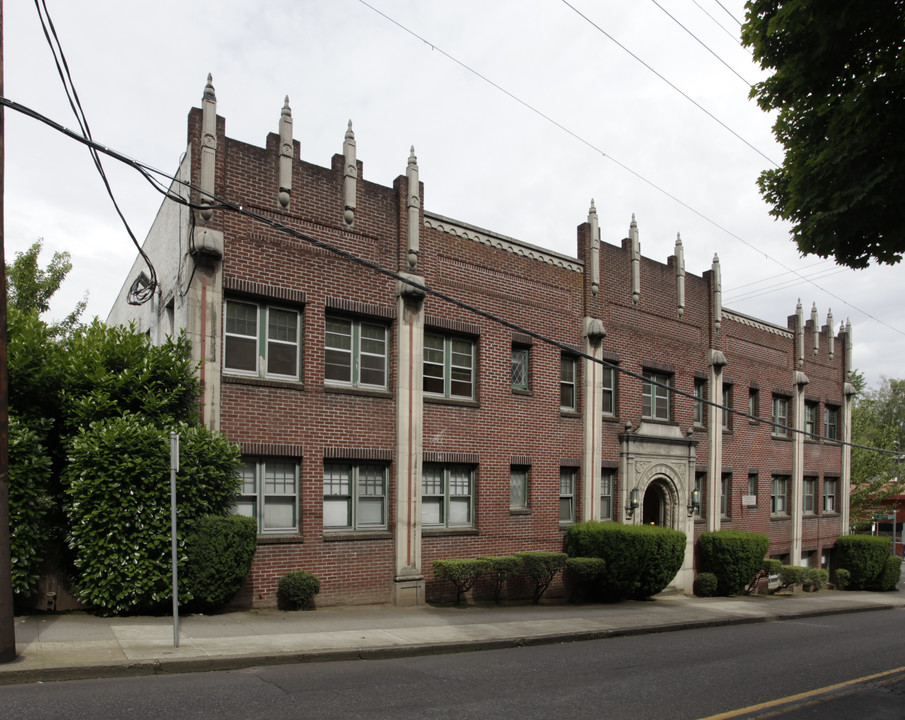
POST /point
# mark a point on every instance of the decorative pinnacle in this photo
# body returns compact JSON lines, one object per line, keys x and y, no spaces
{"x":678,"y":239}
{"x":349,"y":134}
{"x":209,"y":88}
{"x":412,"y":159}
{"x":286,"y":112}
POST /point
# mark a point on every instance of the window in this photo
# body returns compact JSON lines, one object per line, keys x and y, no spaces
{"x":270,"y":495}
{"x":829,"y":495}
{"x":355,"y":353}
{"x":655,"y":399}
{"x":609,"y":391}
{"x":780,"y":416}
{"x":810,"y":418}
{"x":261,"y":340}
{"x":752,"y":484}
{"x":447,"y":496}
{"x":355,"y":497}
{"x":568,"y":391}
{"x":449,"y":367}
{"x":607,"y":481}
{"x":518,"y":488}
{"x":725,"y":494}
{"x":779,"y":495}
{"x":808,"y":491}
{"x":727,"y":403}
{"x":520,"y":368}
{"x":831,"y":422}
{"x":568,"y":485}
{"x":753,"y":404}
{"x":700,"y":389}
{"x":700,"y":480}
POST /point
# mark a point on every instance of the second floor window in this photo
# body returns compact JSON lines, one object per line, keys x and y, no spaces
{"x":655,"y":399}
{"x":831,"y":422}
{"x":727,"y":404}
{"x":779,"y":495}
{"x":355,"y":497}
{"x":829,"y":495}
{"x":780,"y":416}
{"x":355,"y":353}
{"x":810,"y":418}
{"x":808,"y":492}
{"x":607,"y":481}
{"x":518,"y":488}
{"x":568,"y":386}
{"x":609,"y":391}
{"x":447,"y":496}
{"x":568,"y":485}
{"x":700,"y":388}
{"x":449,"y":367}
{"x":261,"y":340}
{"x":519,"y":368}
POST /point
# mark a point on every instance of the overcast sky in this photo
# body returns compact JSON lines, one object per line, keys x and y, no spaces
{"x":570,"y":116}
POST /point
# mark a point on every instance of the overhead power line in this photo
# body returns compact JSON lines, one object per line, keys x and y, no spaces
{"x":151,"y":174}
{"x":622,"y":165}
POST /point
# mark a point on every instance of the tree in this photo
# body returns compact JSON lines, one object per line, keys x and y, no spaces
{"x":839,"y":87}
{"x":878,"y":421}
{"x":31,"y":287}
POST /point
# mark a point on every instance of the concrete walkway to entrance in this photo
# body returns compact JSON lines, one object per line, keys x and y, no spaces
{"x":78,"y":645}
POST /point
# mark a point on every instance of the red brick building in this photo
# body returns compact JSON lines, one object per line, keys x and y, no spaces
{"x":384,"y":427}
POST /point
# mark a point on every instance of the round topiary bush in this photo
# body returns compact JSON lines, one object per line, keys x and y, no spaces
{"x":843,"y":578}
{"x":705,"y":584}
{"x":296,"y":590}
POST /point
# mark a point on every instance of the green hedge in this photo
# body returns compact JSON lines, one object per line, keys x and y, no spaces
{"x":733,"y":556}
{"x":640,"y":560}
{"x":705,"y":584}
{"x":889,"y":578}
{"x":542,"y":567}
{"x":461,"y":572}
{"x":843,"y":578}
{"x":296,"y":590}
{"x":220,"y":551}
{"x":864,"y":556}
{"x":500,"y":568}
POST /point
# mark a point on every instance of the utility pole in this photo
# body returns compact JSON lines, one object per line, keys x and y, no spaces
{"x":7,"y":621}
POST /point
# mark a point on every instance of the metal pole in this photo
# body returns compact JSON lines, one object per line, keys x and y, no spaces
{"x":174,"y":467}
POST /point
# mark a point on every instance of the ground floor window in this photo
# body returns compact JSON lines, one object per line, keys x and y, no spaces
{"x":355,"y":496}
{"x":447,"y":495}
{"x":779,"y":495}
{"x":270,"y":494}
{"x":568,"y":487}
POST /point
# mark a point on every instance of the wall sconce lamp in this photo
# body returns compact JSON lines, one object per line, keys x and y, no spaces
{"x":694,"y":502}
{"x":634,"y":501}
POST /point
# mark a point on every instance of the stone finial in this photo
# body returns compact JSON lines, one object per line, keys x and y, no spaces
{"x":595,"y":249}
{"x":717,"y":292}
{"x":799,"y":333}
{"x":285,"y":189}
{"x":848,"y":350}
{"x":413,"y":204}
{"x":350,"y":176}
{"x":830,"y":333}
{"x":815,"y":328}
{"x":636,"y":260}
{"x":680,"y":276}
{"x":208,"y":146}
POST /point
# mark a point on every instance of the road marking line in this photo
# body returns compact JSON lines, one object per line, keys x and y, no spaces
{"x":801,"y":696}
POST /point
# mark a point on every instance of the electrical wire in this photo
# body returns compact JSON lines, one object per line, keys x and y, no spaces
{"x":716,"y":22}
{"x":622,"y":165}
{"x":225,"y":204}
{"x":142,"y":289}
{"x":701,"y":42}
{"x":668,"y":82}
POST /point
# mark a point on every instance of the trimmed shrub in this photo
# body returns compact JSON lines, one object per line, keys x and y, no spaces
{"x":864,"y":556}
{"x":461,"y":572}
{"x":118,"y":483}
{"x":499,"y":568}
{"x":220,"y":551}
{"x":814,"y":579}
{"x":843,"y":578}
{"x":734,"y":556}
{"x":542,"y":566}
{"x":705,"y":584}
{"x":584,"y":573}
{"x":296,"y":590}
{"x":772,"y":566}
{"x":640,"y":560}
{"x":889,"y":578}
{"x":792,"y":575}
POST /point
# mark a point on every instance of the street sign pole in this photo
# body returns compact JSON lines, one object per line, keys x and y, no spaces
{"x":174,"y":467}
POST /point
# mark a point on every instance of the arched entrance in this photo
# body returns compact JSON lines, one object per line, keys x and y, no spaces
{"x":654,"y":507}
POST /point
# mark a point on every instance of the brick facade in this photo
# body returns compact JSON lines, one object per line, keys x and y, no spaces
{"x":309,"y":424}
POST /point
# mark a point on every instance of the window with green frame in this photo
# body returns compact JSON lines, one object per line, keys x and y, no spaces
{"x":261,"y":340}
{"x":568,"y":489}
{"x":656,"y":400}
{"x":609,"y":391}
{"x":568,"y":384}
{"x":447,"y":495}
{"x":520,"y":355}
{"x":355,"y":496}
{"x":355,"y":353}
{"x":607,"y":481}
{"x":269,"y":493}
{"x":449,"y":367}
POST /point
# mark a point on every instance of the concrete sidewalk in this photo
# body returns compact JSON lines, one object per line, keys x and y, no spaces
{"x":73,"y":646}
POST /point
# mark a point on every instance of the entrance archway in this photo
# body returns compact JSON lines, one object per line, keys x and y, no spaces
{"x":655,"y":504}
